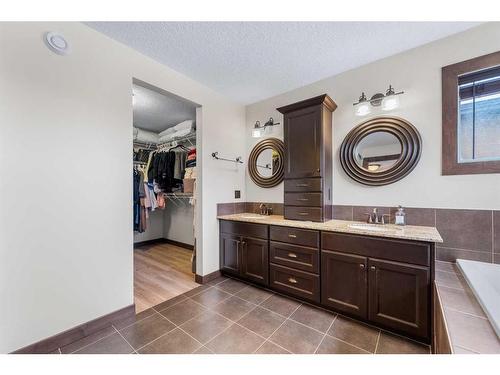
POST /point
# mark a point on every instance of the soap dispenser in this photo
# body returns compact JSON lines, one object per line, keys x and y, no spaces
{"x":400,"y":216}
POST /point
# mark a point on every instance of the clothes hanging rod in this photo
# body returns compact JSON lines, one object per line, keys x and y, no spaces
{"x":216,"y":156}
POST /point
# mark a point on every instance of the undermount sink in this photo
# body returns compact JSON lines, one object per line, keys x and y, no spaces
{"x":251,"y":217}
{"x":373,"y":227}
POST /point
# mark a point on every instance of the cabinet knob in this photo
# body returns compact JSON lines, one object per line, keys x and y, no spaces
{"x":292,"y":236}
{"x":362,"y":266}
{"x":373,"y":268}
{"x":317,"y":170}
{"x":292,"y":255}
{"x":291,"y":280}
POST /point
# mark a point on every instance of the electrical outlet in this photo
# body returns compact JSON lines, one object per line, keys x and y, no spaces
{"x":237,"y":194}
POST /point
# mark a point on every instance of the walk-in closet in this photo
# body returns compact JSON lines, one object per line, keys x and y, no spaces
{"x":164,"y":180}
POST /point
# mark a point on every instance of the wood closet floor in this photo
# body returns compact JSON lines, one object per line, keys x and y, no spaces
{"x":161,"y":272}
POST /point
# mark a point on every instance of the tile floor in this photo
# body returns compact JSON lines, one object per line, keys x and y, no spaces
{"x":228,"y":316}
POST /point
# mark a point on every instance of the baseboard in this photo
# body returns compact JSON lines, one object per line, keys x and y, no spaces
{"x":180,"y":244}
{"x":76,"y":333}
{"x":205,"y":279}
{"x":163,"y":240}
{"x":149,"y":242}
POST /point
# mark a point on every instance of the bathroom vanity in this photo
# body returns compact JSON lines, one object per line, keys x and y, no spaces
{"x":381,"y":274}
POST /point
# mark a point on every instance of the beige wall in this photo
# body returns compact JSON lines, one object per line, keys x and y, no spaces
{"x":418,"y":73}
{"x":65,"y":188}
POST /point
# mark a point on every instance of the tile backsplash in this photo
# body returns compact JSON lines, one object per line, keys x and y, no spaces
{"x":467,"y":234}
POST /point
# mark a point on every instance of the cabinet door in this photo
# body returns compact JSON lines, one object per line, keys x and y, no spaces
{"x":343,"y":282}
{"x":255,"y":260}
{"x":303,"y":143}
{"x":230,"y":253}
{"x":399,"y":296}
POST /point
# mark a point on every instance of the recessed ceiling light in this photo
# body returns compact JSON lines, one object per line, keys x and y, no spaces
{"x":56,"y":43}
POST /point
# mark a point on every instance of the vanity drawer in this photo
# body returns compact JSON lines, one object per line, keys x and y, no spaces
{"x":299,"y":257}
{"x":303,"y":213}
{"x":373,"y":247}
{"x":295,"y":236}
{"x":303,"y":185}
{"x":244,"y":229}
{"x":298,"y":283}
{"x":304,"y":199}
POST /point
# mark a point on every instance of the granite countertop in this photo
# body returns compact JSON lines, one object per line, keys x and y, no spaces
{"x":408,"y":232}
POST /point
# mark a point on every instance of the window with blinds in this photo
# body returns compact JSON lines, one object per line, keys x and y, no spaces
{"x":478,"y":125}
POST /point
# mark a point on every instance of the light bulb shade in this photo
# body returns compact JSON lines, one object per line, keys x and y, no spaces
{"x":390,"y":102}
{"x":256,"y":133}
{"x":362,"y":109}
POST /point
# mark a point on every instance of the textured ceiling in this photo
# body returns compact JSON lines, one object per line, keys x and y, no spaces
{"x":251,"y":61}
{"x":157,"y":111}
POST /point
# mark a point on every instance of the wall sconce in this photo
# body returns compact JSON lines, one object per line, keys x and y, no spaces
{"x":389,"y":101}
{"x":259,"y":130}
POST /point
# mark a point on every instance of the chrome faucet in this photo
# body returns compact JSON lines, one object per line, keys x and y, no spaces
{"x":264,"y":210}
{"x":375,"y":218}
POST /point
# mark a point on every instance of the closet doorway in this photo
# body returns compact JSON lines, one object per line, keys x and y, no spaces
{"x":164,"y":179}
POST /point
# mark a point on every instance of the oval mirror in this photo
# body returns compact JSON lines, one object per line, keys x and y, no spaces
{"x":381,"y":151}
{"x":378,"y":151}
{"x":266,"y":163}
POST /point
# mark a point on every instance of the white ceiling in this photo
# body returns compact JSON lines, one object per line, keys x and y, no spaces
{"x":156,"y":110}
{"x":251,"y":61}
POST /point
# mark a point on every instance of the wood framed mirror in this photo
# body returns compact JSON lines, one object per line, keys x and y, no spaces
{"x":381,"y":151}
{"x":266,"y":162}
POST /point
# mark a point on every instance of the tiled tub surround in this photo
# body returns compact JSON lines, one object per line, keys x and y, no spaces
{"x":228,"y":316}
{"x":467,"y":234}
{"x":461,"y":325}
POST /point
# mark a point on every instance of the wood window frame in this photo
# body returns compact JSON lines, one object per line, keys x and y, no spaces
{"x":449,"y":76}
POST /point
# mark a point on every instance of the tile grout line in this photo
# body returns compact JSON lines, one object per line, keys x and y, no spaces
{"x":93,"y":342}
{"x":323,"y":338}
{"x":463,"y":347}
{"x":465,"y":313}
{"x":195,"y":339}
{"x":284,"y":321}
{"x":137,"y":321}
{"x":163,"y":334}
{"x":241,"y":317}
{"x":289,"y":317}
{"x":378,"y":340}
{"x":133,"y":349}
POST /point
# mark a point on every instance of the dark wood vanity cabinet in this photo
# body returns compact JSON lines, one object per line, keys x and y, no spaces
{"x":383,"y":281}
{"x":344,"y":282}
{"x":308,"y":158}
{"x":399,"y":296}
{"x":244,"y":251}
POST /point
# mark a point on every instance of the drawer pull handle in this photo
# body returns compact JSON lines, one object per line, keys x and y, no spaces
{"x":302,"y":185}
{"x":303,"y":213}
{"x":373,"y":268}
{"x":292,"y":236}
{"x":292,"y":255}
{"x":291,"y":280}
{"x":362,"y":266}
{"x":303,"y":199}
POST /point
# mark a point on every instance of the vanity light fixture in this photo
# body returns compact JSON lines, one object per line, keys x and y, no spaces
{"x":259,"y":130}
{"x":388,"y":102}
